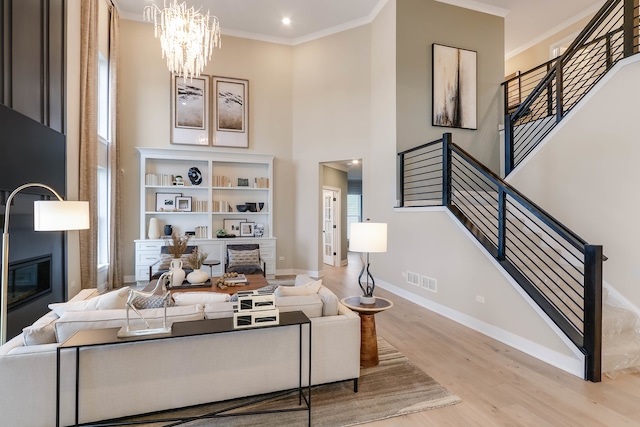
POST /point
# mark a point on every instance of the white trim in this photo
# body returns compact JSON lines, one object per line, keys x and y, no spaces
{"x":478,"y":7}
{"x":281,"y":40}
{"x":589,"y":11}
{"x":553,"y":358}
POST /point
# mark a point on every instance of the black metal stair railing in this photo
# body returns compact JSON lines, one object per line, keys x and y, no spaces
{"x":611,"y":35}
{"x":559,"y":271}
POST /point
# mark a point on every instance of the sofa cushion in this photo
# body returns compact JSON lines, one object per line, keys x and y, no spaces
{"x":329,"y":302}
{"x":187,"y":298}
{"x":218,"y":310}
{"x":42,"y":331}
{"x":308,"y":289}
{"x":303,"y":279}
{"x":311,"y":305}
{"x":73,"y":321}
{"x":111,"y":300}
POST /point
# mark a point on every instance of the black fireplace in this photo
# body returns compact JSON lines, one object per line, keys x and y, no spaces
{"x":31,"y":153}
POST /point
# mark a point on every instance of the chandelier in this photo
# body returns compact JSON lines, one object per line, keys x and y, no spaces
{"x":187,"y":37}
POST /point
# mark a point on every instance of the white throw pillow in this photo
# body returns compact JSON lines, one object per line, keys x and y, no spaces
{"x":111,"y":300}
{"x":329,"y":302}
{"x":42,"y":331}
{"x":188,"y":298}
{"x":303,"y":279}
{"x":308,"y":289}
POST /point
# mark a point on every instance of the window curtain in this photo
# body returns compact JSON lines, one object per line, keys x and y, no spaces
{"x":116,"y":277}
{"x":89,"y":139}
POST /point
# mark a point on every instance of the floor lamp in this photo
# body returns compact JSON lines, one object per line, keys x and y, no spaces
{"x":48,"y":215}
{"x":367,"y":237}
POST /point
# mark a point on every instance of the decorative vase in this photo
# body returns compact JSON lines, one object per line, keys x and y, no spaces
{"x":154,"y":228}
{"x":177,"y":273}
{"x":197,"y":276}
{"x":367,"y":300}
{"x":168,"y":230}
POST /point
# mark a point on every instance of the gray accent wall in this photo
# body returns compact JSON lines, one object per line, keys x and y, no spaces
{"x":421,"y":23}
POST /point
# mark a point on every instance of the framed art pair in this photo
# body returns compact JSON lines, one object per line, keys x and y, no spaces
{"x":197,"y":118}
{"x":240,"y":227}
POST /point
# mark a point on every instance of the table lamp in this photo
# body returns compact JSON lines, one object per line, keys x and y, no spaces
{"x":367,"y":237}
{"x":48,"y":215}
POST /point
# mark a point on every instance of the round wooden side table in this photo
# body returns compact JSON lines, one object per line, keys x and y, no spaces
{"x":368,"y":336}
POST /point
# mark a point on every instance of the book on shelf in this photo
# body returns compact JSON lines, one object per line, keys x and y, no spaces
{"x":261,"y":182}
{"x":158,"y":179}
{"x":221,"y":181}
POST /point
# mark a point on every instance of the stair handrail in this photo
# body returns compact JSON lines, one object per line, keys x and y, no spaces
{"x":571,"y":50}
{"x":551,"y":85}
{"x":496,"y":236}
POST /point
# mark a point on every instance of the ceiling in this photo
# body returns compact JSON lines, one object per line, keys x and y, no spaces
{"x":526,"y":21}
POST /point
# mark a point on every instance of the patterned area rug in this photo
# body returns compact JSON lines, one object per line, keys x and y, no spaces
{"x":393,"y":388}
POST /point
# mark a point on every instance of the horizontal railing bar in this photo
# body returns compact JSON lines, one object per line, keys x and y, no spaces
{"x":421,"y":146}
{"x":560,"y":243}
{"x":547,"y":219}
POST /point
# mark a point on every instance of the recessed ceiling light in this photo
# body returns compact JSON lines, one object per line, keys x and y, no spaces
{"x":286,"y":21}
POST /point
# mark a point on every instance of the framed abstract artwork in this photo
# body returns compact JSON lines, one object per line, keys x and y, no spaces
{"x":190,"y":110}
{"x":454,"y":88}
{"x":231,"y":112}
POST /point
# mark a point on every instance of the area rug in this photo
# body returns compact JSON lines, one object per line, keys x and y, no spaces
{"x":393,"y":388}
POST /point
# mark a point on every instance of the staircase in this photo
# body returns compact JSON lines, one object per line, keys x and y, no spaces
{"x":559,"y":271}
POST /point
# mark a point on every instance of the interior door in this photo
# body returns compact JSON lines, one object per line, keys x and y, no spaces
{"x":329,"y":229}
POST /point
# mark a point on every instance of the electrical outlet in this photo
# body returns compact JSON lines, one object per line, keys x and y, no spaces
{"x":480,"y":299}
{"x":281,"y":258}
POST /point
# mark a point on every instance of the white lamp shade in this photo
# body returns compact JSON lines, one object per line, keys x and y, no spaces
{"x":368,"y":237}
{"x":58,"y":215}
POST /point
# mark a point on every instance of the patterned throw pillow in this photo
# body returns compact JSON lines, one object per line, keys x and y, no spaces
{"x":154,"y":301}
{"x":165,"y":262}
{"x":250,"y":257}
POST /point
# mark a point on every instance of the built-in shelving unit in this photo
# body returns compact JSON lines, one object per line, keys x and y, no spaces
{"x":227,"y":180}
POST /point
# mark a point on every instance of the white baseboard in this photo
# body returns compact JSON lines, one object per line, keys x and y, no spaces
{"x":574,"y":366}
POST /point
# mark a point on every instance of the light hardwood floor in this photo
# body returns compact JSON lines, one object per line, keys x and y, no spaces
{"x":498,"y":385}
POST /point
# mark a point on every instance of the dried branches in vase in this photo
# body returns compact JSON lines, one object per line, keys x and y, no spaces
{"x":196,"y":258}
{"x":178,"y":246}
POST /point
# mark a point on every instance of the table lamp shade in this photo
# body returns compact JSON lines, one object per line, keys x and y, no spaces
{"x":59,"y":215}
{"x":368,"y":237}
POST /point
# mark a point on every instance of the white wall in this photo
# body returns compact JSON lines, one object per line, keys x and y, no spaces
{"x":587,"y":172}
{"x":331,"y":121}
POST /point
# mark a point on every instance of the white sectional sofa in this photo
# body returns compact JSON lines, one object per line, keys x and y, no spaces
{"x":155,"y":375}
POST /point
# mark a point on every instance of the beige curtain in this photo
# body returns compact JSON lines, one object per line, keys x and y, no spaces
{"x":89,"y":139}
{"x":116,"y":277}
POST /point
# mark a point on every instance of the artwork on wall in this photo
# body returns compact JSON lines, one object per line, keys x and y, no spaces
{"x":231,"y":112}
{"x":454,"y":87}
{"x":190,"y":110}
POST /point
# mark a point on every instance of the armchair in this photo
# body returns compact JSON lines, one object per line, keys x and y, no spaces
{"x":244,"y":259}
{"x":163,"y":263}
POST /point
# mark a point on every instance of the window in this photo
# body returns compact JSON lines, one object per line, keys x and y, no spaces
{"x":354,"y":211}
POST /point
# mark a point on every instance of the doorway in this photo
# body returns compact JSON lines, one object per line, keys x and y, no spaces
{"x":331,"y":225}
{"x":344,"y":179}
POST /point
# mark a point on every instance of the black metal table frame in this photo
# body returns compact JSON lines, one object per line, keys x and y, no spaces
{"x":289,"y":320}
